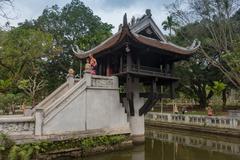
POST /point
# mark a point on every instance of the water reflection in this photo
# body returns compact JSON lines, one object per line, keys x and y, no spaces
{"x":136,"y":153}
{"x":175,"y":145}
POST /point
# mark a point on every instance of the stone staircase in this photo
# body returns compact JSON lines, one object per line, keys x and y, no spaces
{"x":77,"y":106}
{"x":90,"y":103}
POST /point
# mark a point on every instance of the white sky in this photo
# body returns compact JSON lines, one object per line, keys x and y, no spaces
{"x":110,"y":11}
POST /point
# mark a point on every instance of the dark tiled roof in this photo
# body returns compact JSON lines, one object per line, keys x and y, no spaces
{"x":140,"y":39}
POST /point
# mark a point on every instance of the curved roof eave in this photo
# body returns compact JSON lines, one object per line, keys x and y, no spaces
{"x":168,"y":46}
{"x":110,"y":42}
{"x":83,"y":54}
{"x":125,"y":31}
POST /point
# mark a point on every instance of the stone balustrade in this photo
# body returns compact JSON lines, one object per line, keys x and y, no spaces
{"x":17,"y":125}
{"x":103,"y":81}
{"x":201,"y":120}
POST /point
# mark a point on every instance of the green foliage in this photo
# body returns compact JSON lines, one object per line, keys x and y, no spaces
{"x":4,"y":85}
{"x":73,"y":24}
{"x":21,"y":49}
{"x":216,"y":108}
{"x":22,"y":53}
{"x":170,"y":24}
{"x":21,"y":152}
{"x":36,"y":55}
{"x":28,"y":151}
{"x":88,"y":143}
{"x":116,"y":139}
{"x":23,"y":84}
{"x":217,"y":87}
{"x":198,"y":74}
{"x":233,"y":57}
{"x":195,"y":76}
{"x":5,"y":142}
{"x":216,"y":25}
{"x":9,"y":101}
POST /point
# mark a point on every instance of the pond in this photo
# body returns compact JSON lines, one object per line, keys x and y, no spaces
{"x":163,"y":144}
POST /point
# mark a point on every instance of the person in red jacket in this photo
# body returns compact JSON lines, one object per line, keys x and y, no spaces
{"x":209,"y":111}
{"x":93,"y":63}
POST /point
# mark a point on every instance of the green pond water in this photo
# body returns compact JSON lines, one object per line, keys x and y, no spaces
{"x":163,"y":144}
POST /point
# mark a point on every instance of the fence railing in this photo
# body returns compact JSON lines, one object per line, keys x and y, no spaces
{"x":201,"y":120}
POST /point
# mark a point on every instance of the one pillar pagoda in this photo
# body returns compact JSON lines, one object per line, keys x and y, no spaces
{"x":143,"y":60}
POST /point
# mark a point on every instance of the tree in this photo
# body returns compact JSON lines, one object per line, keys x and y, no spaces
{"x":169,"y":24}
{"x":196,"y":74}
{"x":223,"y":35}
{"x":9,"y":101}
{"x":196,"y":78}
{"x":75,"y":23}
{"x":32,"y":86}
{"x":21,"y":49}
{"x":38,"y":52}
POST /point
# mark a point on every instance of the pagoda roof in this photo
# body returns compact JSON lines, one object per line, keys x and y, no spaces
{"x":131,"y":32}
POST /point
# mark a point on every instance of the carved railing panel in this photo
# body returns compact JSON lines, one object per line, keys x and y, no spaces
{"x":100,"y":81}
{"x":15,"y":125}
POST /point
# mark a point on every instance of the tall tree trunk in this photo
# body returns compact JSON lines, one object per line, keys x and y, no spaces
{"x":203,"y":96}
{"x":203,"y":102}
{"x":224,"y":98}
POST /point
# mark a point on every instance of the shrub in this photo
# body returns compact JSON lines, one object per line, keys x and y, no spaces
{"x":5,"y":142}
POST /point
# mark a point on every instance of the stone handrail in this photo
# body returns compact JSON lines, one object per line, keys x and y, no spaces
{"x":17,"y":125}
{"x":211,"y":121}
{"x":87,"y":81}
{"x":44,"y":115}
{"x":64,"y":98}
{"x":52,"y":97}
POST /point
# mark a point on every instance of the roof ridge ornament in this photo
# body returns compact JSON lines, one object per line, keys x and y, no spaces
{"x":119,"y":27}
{"x":133,"y":21}
{"x":196,"y":43}
{"x":125,"y":23}
{"x":78,"y":50}
{"x":148,"y":12}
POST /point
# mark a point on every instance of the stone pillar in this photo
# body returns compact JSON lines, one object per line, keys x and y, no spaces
{"x":70,"y":78}
{"x":88,"y":78}
{"x":38,"y":121}
{"x":115,"y":82}
{"x":187,"y":120}
{"x":136,"y":121}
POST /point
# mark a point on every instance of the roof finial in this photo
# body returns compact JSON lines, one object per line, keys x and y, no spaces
{"x":133,"y":20}
{"x":125,"y":20}
{"x":148,"y":12}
